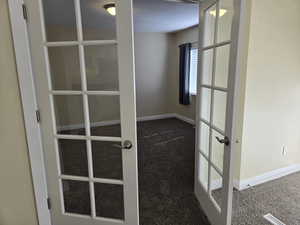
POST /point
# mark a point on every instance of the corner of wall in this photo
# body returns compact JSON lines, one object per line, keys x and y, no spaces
{"x":243,"y":48}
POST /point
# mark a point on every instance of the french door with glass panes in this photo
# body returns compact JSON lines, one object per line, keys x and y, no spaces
{"x":218,"y":39}
{"x":84,"y":73}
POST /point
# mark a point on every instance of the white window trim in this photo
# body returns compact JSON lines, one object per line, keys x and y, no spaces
{"x":29,"y":104}
{"x":194,"y":46}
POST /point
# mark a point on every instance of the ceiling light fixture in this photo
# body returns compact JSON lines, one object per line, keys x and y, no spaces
{"x":221,"y":13}
{"x":110,"y":8}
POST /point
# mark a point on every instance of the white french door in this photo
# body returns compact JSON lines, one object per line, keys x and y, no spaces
{"x":83,"y":64}
{"x":218,"y":41}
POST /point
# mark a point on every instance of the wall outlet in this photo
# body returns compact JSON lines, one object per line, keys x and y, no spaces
{"x":284,"y":151}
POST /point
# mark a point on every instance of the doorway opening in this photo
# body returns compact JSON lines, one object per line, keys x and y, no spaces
{"x":166,"y":127}
{"x":84,"y":73}
{"x":166,"y":57}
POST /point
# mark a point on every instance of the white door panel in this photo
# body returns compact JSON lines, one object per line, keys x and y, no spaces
{"x":218,"y":41}
{"x":85,"y":81}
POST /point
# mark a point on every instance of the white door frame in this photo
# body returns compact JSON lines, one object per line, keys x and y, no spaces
{"x":50,"y":135}
{"x":30,"y":107}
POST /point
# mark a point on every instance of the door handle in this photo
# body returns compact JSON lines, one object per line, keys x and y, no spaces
{"x":224,"y":141}
{"x":127,"y":145}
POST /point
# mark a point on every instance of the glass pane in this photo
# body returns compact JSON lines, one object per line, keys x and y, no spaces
{"x":205,"y":103}
{"x":220,"y":101}
{"x":204,"y":138}
{"x":102,"y":67}
{"x":105,"y":115}
{"x":65,"y":68}
{"x":73,"y":157}
{"x":203,"y":172}
{"x":216,"y":187}
{"x":225,"y":20}
{"x":67,"y":121}
{"x":107,"y":160}
{"x":76,"y":197}
{"x":60,"y":20}
{"x":207,"y":66}
{"x":217,"y":150}
{"x":222,"y":66}
{"x":109,"y":201}
{"x":97,"y":23}
{"x":209,"y":26}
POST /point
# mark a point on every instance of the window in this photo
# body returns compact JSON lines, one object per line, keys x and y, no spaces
{"x":193,"y":71}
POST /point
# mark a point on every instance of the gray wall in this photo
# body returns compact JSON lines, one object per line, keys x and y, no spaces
{"x":151,"y":63}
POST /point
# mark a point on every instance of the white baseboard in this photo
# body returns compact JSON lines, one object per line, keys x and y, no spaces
{"x":156,"y":117}
{"x":95,"y":124}
{"x":139,"y":119}
{"x":184,"y":118}
{"x":266,"y":177}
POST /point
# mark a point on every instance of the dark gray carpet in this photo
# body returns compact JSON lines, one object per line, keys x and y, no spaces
{"x":166,"y":174}
{"x":279,"y":197}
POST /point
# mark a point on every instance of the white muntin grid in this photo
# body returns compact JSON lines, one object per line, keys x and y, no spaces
{"x":80,"y":43}
{"x":213,"y":89}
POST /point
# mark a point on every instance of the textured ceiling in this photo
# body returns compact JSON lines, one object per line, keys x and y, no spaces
{"x":149,"y":15}
{"x":163,"y":16}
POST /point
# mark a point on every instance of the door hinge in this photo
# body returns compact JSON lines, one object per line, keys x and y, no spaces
{"x":49,"y":203}
{"x":25,"y":14}
{"x":38,"y":116}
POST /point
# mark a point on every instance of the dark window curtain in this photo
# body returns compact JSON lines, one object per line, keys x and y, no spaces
{"x":184,"y":74}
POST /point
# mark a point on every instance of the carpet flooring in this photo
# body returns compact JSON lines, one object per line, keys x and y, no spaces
{"x":280,"y":197}
{"x":166,"y":174}
{"x":166,"y":183}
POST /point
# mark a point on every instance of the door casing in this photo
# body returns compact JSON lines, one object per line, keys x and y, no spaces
{"x":30,"y":107}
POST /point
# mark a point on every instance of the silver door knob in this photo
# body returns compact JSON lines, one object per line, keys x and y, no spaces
{"x":224,"y":141}
{"x":127,"y":145}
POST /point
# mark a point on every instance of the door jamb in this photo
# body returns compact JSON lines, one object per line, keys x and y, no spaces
{"x":30,"y":107}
